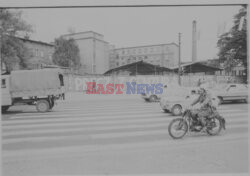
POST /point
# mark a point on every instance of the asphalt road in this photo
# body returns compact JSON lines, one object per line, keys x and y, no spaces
{"x":90,"y":134}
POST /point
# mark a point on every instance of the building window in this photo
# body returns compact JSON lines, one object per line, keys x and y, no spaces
{"x":3,"y":85}
{"x":240,"y":72}
{"x":36,"y":52}
{"x":42,"y":54}
{"x":166,"y":48}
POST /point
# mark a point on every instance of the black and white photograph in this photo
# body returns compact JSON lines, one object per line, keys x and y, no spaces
{"x":124,"y":87}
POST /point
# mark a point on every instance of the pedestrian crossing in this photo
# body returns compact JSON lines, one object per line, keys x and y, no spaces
{"x":99,"y":125}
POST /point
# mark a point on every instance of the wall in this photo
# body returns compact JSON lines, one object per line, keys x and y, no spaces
{"x":78,"y":83}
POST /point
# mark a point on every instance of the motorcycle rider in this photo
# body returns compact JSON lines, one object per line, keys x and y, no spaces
{"x":202,"y":106}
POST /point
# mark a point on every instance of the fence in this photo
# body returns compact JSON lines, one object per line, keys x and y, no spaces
{"x":79,"y":83}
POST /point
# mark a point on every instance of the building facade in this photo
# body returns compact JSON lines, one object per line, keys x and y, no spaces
{"x":165,"y":55}
{"x":40,"y":53}
{"x":94,"y":51}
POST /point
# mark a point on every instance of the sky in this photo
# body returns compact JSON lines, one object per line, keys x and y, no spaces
{"x":127,"y":27}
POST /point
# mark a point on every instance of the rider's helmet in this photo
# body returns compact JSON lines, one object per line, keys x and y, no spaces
{"x":203,"y":87}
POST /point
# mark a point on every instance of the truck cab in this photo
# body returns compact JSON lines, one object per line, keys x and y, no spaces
{"x":5,"y":90}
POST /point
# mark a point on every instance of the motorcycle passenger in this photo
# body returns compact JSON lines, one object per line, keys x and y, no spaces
{"x":202,"y":106}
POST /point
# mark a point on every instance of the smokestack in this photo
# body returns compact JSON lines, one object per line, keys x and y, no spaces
{"x":194,"y":43}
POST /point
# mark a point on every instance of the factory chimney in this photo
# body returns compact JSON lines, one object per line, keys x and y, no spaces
{"x":194,"y":43}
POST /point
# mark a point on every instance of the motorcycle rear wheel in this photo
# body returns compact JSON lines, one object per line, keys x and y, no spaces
{"x":213,"y":132}
{"x":179,"y":125}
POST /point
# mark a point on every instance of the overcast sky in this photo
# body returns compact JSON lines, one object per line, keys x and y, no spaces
{"x":125,"y":27}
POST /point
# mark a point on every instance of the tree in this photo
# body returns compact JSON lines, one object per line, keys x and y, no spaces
{"x":66,"y":53}
{"x":13,"y":51}
{"x":233,"y":44}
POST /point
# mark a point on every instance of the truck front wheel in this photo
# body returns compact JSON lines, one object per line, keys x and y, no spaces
{"x":42,"y":106}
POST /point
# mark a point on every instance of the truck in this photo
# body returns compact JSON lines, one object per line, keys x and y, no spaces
{"x":41,"y":88}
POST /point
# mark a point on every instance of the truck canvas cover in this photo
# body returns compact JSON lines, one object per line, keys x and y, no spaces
{"x":40,"y":82}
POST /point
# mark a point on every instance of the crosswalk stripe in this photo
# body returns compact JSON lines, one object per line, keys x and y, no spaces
{"x":105,"y":109}
{"x":107,"y":135}
{"x":71,"y":151}
{"x":77,"y":118}
{"x":103,"y":123}
{"x":100,"y":123}
{"x":115,"y":121}
{"x":77,"y":128}
{"x":84,"y":113}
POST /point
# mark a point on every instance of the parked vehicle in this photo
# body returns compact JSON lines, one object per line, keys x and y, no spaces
{"x":175,"y":99}
{"x":233,"y":92}
{"x":180,"y":126}
{"x":32,"y":87}
{"x":176,"y":104}
{"x":151,"y":97}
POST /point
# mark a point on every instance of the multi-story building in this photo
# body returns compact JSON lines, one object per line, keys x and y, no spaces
{"x":40,"y":53}
{"x":112,"y":56}
{"x":165,"y":55}
{"x":94,"y":51}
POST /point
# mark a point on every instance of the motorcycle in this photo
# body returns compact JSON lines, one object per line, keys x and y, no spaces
{"x":179,"y":127}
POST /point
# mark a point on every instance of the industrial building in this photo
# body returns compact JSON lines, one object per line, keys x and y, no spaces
{"x":94,"y":51}
{"x":165,"y":55}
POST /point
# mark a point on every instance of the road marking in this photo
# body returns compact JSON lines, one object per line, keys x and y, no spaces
{"x":75,"y":127}
{"x":113,"y":122}
{"x":80,"y":118}
{"x":81,"y":150}
{"x":107,"y":135}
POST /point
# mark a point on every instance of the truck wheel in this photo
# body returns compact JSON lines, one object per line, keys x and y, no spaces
{"x":42,"y":106}
{"x":5,"y":108}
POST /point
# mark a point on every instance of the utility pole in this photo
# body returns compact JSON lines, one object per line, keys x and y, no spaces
{"x":94,"y":57}
{"x":179,"y":61}
{"x":1,"y":44}
{"x":136,"y":69}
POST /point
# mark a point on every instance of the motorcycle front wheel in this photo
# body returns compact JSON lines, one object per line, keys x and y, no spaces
{"x":214,"y":127}
{"x":177,"y":128}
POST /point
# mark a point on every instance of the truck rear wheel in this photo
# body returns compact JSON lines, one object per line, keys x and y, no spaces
{"x":42,"y":106}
